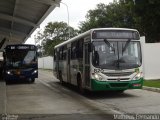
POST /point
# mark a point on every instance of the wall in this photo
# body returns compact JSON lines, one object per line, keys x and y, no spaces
{"x":151,"y":60}
{"x":45,"y":62}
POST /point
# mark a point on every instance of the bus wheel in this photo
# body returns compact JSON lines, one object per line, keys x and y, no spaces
{"x":79,"y":84}
{"x":31,"y":80}
{"x":7,"y":81}
{"x":119,"y":91}
{"x":60,"y":77}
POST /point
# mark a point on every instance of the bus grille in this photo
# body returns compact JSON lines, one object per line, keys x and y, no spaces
{"x":117,"y":79}
{"x":118,"y":84}
{"x":118,"y":74}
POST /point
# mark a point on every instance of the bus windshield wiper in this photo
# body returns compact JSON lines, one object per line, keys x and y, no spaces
{"x":126,"y":45}
{"x":109,"y":44}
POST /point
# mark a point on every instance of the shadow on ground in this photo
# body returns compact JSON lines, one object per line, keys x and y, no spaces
{"x":18,"y":82}
{"x":94,"y":94}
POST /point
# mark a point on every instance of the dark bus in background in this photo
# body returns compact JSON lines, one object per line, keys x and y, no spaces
{"x":20,"y":62}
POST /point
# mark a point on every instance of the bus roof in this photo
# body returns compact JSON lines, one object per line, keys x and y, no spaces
{"x":20,"y":45}
{"x":89,"y":32}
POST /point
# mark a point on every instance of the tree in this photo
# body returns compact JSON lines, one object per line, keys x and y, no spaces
{"x":143,"y":15}
{"x":148,"y":12}
{"x":116,"y":14}
{"x":53,"y":34}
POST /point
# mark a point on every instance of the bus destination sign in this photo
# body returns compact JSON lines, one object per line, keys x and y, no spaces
{"x":21,"y":47}
{"x":118,"y":34}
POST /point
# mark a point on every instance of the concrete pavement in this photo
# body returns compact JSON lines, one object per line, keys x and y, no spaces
{"x":151,"y":89}
{"x":48,"y":99}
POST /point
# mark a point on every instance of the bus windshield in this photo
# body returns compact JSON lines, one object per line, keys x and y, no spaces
{"x":20,"y":58}
{"x":116,"y":55}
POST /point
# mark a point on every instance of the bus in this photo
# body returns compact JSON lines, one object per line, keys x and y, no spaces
{"x":20,"y":62}
{"x":101,"y":59}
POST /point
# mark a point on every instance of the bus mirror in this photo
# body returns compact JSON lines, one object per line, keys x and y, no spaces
{"x":96,"y":58}
{"x":38,"y":55}
{"x":89,"y":48}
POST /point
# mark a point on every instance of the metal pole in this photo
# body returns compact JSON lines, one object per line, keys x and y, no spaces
{"x":67,"y":17}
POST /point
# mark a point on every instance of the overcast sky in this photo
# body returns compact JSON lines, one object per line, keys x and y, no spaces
{"x":77,"y":12}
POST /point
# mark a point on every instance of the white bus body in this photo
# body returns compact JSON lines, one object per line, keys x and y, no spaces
{"x":101,"y":59}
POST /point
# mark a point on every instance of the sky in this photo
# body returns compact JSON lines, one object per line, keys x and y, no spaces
{"x":77,"y":12}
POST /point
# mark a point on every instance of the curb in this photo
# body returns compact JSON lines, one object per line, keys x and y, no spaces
{"x":151,"y":89}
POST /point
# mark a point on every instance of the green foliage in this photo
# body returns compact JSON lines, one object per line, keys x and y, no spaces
{"x":148,"y":12}
{"x":53,"y":34}
{"x":143,"y":15}
{"x":49,"y":45}
{"x":116,"y":14}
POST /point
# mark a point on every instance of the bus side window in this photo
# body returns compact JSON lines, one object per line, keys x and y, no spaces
{"x":64,"y":54}
{"x":89,"y":47}
{"x":73,"y":50}
{"x":54,"y":53}
{"x":60,"y":54}
{"x":79,"y":48}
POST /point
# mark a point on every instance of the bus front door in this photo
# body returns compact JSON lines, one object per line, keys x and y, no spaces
{"x":68,"y":66}
{"x":86,"y":65}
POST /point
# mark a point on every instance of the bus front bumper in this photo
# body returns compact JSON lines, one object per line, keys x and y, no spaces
{"x":20,"y":76}
{"x":119,"y":85}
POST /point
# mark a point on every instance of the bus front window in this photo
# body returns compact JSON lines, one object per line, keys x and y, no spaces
{"x":116,"y":54}
{"x":22,"y":59}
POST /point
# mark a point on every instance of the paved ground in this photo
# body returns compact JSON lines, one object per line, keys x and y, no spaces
{"x":132,"y":101}
{"x":47,"y":99}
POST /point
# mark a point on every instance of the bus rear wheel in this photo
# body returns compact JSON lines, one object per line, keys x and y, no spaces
{"x":79,"y":84}
{"x":60,"y":77}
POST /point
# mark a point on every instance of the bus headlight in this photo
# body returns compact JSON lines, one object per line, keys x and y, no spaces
{"x":97,"y":76}
{"x":137,"y":76}
{"x":9,"y":72}
{"x":35,"y":71}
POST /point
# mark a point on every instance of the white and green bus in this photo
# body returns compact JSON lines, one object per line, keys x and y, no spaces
{"x":101,"y":59}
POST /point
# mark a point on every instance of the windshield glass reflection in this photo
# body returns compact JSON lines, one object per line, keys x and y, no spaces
{"x":20,"y":59}
{"x":116,"y":54}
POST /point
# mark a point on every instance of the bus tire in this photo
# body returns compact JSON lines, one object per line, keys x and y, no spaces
{"x":119,"y":91}
{"x":31,"y":80}
{"x":60,"y":77}
{"x":79,"y":85}
{"x":7,"y":81}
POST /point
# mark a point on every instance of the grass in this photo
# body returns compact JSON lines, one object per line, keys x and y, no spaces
{"x":152,"y":83}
